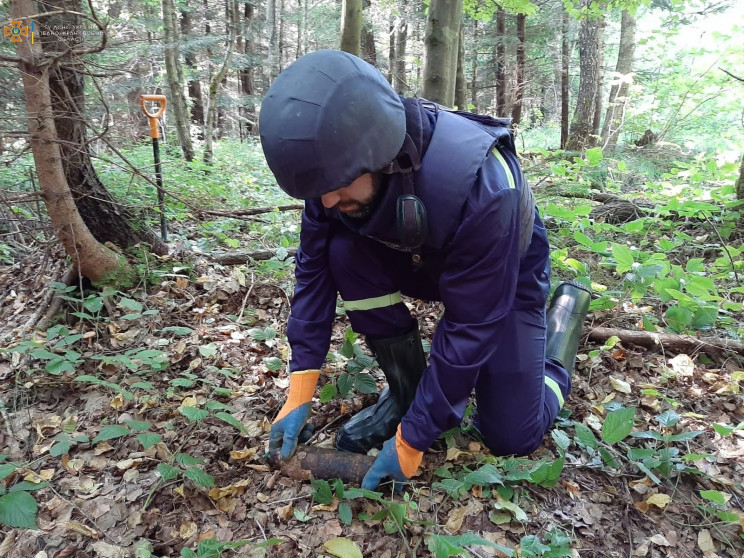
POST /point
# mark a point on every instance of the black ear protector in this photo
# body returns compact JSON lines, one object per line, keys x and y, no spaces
{"x":411,"y":220}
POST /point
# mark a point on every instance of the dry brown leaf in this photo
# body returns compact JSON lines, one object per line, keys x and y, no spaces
{"x":226,"y":504}
{"x":117,"y":402}
{"x":187,"y":530}
{"x":659,"y":500}
{"x":285,"y":513}
{"x":455,"y":453}
{"x":248,"y":453}
{"x":206,"y":535}
{"x":620,"y":385}
{"x":8,"y":542}
{"x":106,"y":550}
{"x":231,"y":490}
{"x":332,"y":507}
{"x":660,"y":540}
{"x":705,"y":541}
{"x":82,"y":529}
{"x":455,"y":519}
{"x":72,"y":466}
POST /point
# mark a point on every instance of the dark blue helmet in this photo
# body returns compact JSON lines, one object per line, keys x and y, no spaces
{"x":327,"y":119}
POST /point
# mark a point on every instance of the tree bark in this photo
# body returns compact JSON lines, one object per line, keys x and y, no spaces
{"x":351,"y":26}
{"x":501,"y":62}
{"x":271,"y":62}
{"x":597,"y":118}
{"x":461,"y":84}
{"x":368,"y":47}
{"x":401,"y":46}
{"x":581,"y":125}
{"x":245,"y":75}
{"x":519,"y":86}
{"x":474,"y":71}
{"x":90,"y":257}
{"x":174,"y":72}
{"x":565,"y":68}
{"x":107,"y":219}
{"x":740,"y":181}
{"x":194,"y":85}
{"x":440,"y":50}
{"x":216,"y":81}
{"x":621,"y":80}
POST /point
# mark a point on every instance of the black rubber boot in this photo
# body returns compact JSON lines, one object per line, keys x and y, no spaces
{"x":402,"y":361}
{"x":564,"y":319}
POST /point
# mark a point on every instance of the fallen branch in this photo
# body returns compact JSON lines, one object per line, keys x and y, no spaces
{"x":668,"y":341}
{"x":312,"y":462}
{"x":239,"y":213}
{"x":238,"y":257}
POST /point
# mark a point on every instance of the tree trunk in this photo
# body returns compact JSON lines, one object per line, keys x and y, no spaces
{"x":474,"y":72}
{"x":740,"y":181}
{"x":565,"y":67}
{"x":90,"y":257}
{"x":621,"y":80}
{"x":351,"y":26}
{"x":245,"y":75}
{"x":369,"y":50}
{"x":271,"y":63}
{"x":174,"y":73}
{"x":216,"y":81}
{"x":581,"y":125}
{"x":107,"y":220}
{"x":461,"y":84}
{"x":194,"y":85}
{"x":401,"y":46}
{"x":500,"y":62}
{"x":519,"y":86}
{"x":597,"y":118}
{"x":440,"y":50}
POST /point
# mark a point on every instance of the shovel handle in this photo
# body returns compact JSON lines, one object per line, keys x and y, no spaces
{"x":153,"y":116}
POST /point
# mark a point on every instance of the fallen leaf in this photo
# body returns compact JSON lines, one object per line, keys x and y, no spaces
{"x":455,"y":453}
{"x":106,"y":550}
{"x":682,"y":365}
{"x":82,"y":529}
{"x":234,"y":489}
{"x":620,"y":385}
{"x":187,"y":530}
{"x":660,"y":540}
{"x":117,"y":402}
{"x":705,"y":541}
{"x":659,"y":500}
{"x":285,"y":513}
{"x":248,"y":453}
{"x":8,"y":542}
{"x":455,"y":519}
{"x":343,"y":548}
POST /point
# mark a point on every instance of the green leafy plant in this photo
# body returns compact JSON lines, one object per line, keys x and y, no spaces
{"x":18,"y":508}
{"x":354,"y":375}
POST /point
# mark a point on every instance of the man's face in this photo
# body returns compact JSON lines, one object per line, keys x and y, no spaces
{"x":355,"y":200}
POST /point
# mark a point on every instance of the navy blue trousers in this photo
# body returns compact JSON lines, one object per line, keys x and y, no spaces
{"x":520,"y":392}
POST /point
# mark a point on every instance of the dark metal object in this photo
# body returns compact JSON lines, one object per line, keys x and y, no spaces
{"x":160,"y":101}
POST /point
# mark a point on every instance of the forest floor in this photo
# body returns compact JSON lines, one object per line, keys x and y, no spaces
{"x":164,"y":363}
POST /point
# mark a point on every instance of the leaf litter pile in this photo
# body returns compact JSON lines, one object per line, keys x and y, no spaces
{"x":137,"y":424}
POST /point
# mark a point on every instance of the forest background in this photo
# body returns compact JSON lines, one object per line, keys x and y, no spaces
{"x":142,"y":304}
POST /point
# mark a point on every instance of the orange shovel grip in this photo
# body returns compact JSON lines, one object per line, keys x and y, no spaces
{"x":153,"y":116}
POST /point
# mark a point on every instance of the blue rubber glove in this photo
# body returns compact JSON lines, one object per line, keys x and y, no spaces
{"x":289,"y":425}
{"x":397,"y":461}
{"x":285,"y":432}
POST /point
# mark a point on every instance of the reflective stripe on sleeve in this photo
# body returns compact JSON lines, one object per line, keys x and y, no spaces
{"x":507,"y":170}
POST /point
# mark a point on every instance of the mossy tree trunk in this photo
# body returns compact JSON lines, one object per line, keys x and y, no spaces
{"x":441,"y":49}
{"x":351,"y":26}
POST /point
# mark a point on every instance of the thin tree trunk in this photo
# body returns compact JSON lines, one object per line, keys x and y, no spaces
{"x":597,"y":119}
{"x":474,"y":72}
{"x":519,"y":85}
{"x":281,"y":57}
{"x":581,"y":125}
{"x":351,"y":26}
{"x":401,"y":47}
{"x":441,"y":47}
{"x":174,"y":73}
{"x":391,"y":49}
{"x":245,"y":76}
{"x":565,"y":67}
{"x":194,"y":85}
{"x":214,"y":85}
{"x":90,"y":257}
{"x":500,"y":62}
{"x":461,"y":84}
{"x":621,"y":80}
{"x":368,"y":47}
{"x":740,"y":181}
{"x":271,"y":62}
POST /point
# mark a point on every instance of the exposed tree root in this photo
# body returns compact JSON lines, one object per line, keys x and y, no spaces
{"x":242,"y":213}
{"x":238,"y":257}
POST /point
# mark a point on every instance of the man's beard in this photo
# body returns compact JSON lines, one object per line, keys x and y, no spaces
{"x":364,"y":208}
